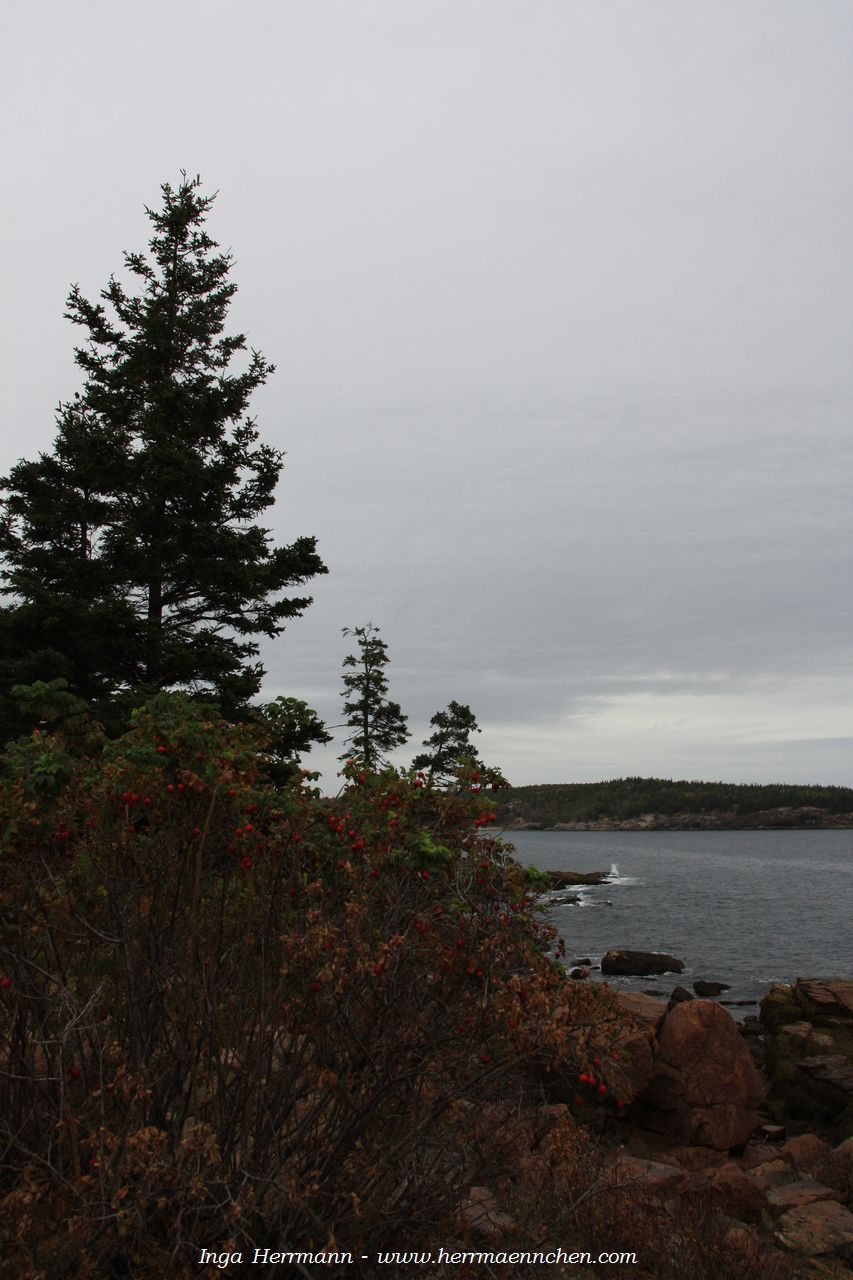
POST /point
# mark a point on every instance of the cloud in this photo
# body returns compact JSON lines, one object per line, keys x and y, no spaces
{"x":559,"y":300}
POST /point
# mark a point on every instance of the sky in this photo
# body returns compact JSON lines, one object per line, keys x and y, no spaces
{"x":560,"y":298}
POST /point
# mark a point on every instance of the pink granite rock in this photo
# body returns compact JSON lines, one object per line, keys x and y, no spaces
{"x":705,"y":1089}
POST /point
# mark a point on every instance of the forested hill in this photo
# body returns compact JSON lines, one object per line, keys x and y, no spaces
{"x":628,"y":799}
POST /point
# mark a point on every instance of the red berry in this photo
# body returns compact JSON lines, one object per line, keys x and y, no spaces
{"x":245,"y":863}
{"x":578,"y":1101}
{"x":5,"y":983}
{"x":602,"y":1089}
{"x":161,"y":751}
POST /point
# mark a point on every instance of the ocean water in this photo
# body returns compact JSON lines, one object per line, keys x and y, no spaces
{"x":743,"y":907}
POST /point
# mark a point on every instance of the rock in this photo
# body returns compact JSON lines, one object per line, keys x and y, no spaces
{"x":709,"y":988}
{"x":549,"y":1115}
{"x":794,"y":1195}
{"x":558,"y":899}
{"x":732,"y":1192}
{"x":631,"y":1063}
{"x":772,"y":1173}
{"x":581,"y":972}
{"x":744,"y":1242}
{"x":772,"y":1133}
{"x":779,"y":1006}
{"x":705,"y":1089}
{"x":835,"y":1069}
{"x":756,"y":1154}
{"x":481,"y":1212}
{"x":649,"y":1010}
{"x":824,"y":997}
{"x":806,"y":1152}
{"x":583,"y":960}
{"x":626,"y":963}
{"x":678,"y":995}
{"x":567,"y":879}
{"x":751,"y":1026}
{"x":844,"y":1152}
{"x":809,"y":1054}
{"x":650,"y":1175}
{"x":817,"y":1229}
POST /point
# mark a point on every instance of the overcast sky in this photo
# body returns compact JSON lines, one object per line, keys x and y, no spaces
{"x":560,"y":294}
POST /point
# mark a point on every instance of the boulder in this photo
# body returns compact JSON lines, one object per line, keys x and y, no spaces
{"x":817,"y":1229}
{"x":648,"y":1175}
{"x":638,"y":963}
{"x":735,"y":1194}
{"x":705,"y":1089}
{"x":806,"y":1152}
{"x":678,"y":995}
{"x":709,"y":988}
{"x":650,"y":1011}
{"x":825,"y":997}
{"x":772,"y":1173}
{"x":795,"y":1195}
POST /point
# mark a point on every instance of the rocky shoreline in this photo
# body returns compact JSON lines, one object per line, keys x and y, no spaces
{"x":758,"y":1119}
{"x":803,"y":818}
{"x":747,"y":1130}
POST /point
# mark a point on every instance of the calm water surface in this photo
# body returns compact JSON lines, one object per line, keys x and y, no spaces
{"x":744,"y":907}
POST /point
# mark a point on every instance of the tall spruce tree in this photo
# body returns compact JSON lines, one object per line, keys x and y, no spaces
{"x":449,"y":746}
{"x":378,"y":725}
{"x":132,"y":559}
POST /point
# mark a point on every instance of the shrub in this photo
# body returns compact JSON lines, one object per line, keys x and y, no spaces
{"x":232,"y":1014}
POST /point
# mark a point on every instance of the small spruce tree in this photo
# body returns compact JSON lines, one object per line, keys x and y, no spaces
{"x":449,"y":746}
{"x":377,"y":724}
{"x":132,"y":558}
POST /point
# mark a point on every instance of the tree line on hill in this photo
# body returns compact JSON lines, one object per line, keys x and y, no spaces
{"x":626,"y":798}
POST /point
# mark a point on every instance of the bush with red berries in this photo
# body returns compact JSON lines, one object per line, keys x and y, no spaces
{"x":232,"y":1013}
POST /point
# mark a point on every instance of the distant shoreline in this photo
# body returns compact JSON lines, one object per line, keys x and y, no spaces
{"x":773,"y":820}
{"x":663,"y":804}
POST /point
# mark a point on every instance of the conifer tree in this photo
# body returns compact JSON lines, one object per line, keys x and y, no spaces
{"x":449,"y":747}
{"x":377,"y":724}
{"x":132,"y":560}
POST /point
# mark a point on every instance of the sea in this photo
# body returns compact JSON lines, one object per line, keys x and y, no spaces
{"x":747,"y":908}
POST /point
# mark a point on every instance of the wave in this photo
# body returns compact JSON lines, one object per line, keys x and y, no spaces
{"x":615,"y":877}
